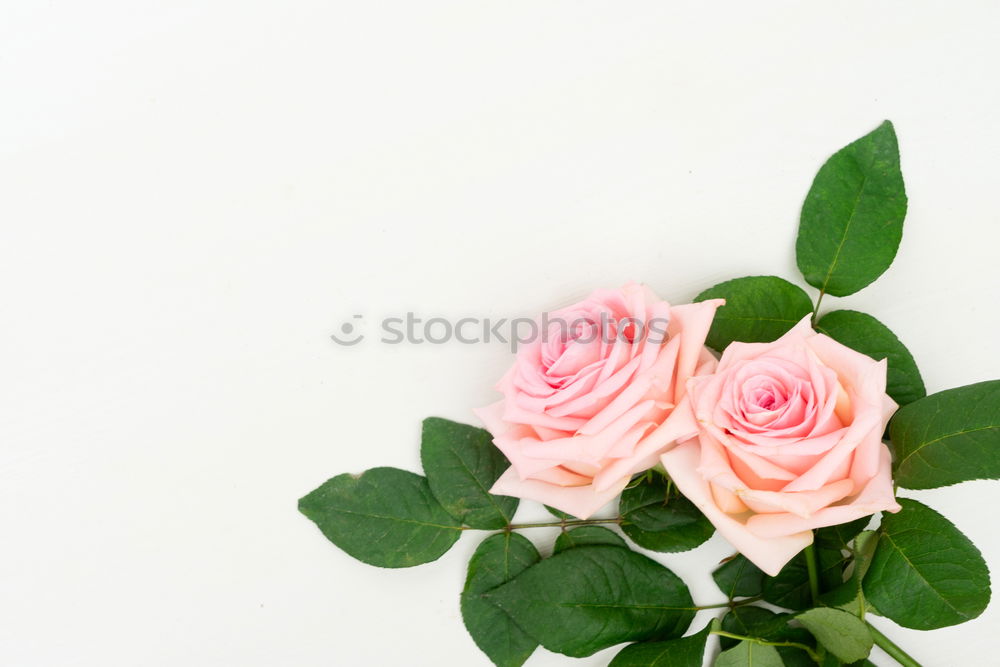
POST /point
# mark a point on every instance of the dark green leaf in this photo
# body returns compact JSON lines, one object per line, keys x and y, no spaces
{"x":497,"y":560}
{"x":790,"y":587}
{"x":747,"y":654}
{"x":925,"y":573}
{"x":559,"y":514}
{"x":655,"y":521}
{"x":840,"y":536}
{"x":738,"y":577}
{"x":462,"y":464}
{"x":686,"y":652}
{"x":852,"y":219}
{"x":587,"y":536}
{"x":949,"y":437}
{"x":759,"y":309}
{"x":843,"y":634}
{"x":589,"y":598}
{"x":751,"y":621}
{"x":867,"y":335}
{"x":849,"y":595}
{"x":385,"y":517}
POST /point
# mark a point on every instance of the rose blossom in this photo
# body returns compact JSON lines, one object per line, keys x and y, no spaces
{"x":590,"y":401}
{"x":790,"y":439}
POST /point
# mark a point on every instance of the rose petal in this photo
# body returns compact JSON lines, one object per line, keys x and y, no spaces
{"x":579,"y":501}
{"x":770,"y":555}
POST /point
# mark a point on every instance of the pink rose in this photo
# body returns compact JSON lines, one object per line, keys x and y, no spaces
{"x":789,"y":439}
{"x":590,"y":401}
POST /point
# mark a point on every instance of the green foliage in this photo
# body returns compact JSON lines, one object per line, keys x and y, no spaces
{"x":559,"y":514}
{"x":461,"y":464}
{"x":496,"y":561}
{"x":852,"y":218}
{"x":658,"y":519}
{"x":759,"y":309}
{"x":385,"y":517}
{"x":790,"y":587}
{"x":925,"y":573}
{"x":588,"y":598}
{"x":686,"y":652}
{"x":747,"y":654}
{"x":738,"y":577}
{"x":867,"y":335}
{"x":587,"y":536}
{"x":849,"y":595}
{"x":841,"y":633}
{"x":764,"y":624}
{"x":949,"y":437}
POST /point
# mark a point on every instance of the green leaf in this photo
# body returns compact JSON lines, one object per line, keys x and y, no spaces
{"x":790,"y":587}
{"x":589,"y":598}
{"x":759,"y":309}
{"x":925,"y":573}
{"x":749,"y":654}
{"x":949,"y":437}
{"x":849,"y":596}
{"x":462,"y":464}
{"x":840,"y":536}
{"x":498,"y":559}
{"x":738,"y":577}
{"x":867,"y":335}
{"x":843,"y":634}
{"x":852,"y":219}
{"x":751,"y":621}
{"x":587,"y":536}
{"x":385,"y":517}
{"x":864,"y":550}
{"x":559,"y":514}
{"x":686,"y":652}
{"x":659,"y":521}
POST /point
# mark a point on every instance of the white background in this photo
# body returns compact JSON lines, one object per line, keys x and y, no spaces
{"x":194,"y":195}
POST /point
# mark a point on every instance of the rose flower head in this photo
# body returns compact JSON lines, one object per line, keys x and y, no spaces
{"x":589,"y":402}
{"x":789,"y":439}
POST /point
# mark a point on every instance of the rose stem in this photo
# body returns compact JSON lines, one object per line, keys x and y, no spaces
{"x":887,"y":645}
{"x":822,"y":292}
{"x":563,"y":524}
{"x":813,"y":574}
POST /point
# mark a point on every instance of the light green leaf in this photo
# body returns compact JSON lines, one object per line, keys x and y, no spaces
{"x":385,"y":517}
{"x":867,"y":335}
{"x":588,"y":598}
{"x":587,"y":536}
{"x":843,"y":634}
{"x":462,"y":463}
{"x":749,"y":654}
{"x":759,"y":309}
{"x":852,"y":219}
{"x":498,"y":559}
{"x":925,"y":573}
{"x":760,"y":623}
{"x":655,"y":520}
{"x":949,"y":437}
{"x":686,"y":652}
